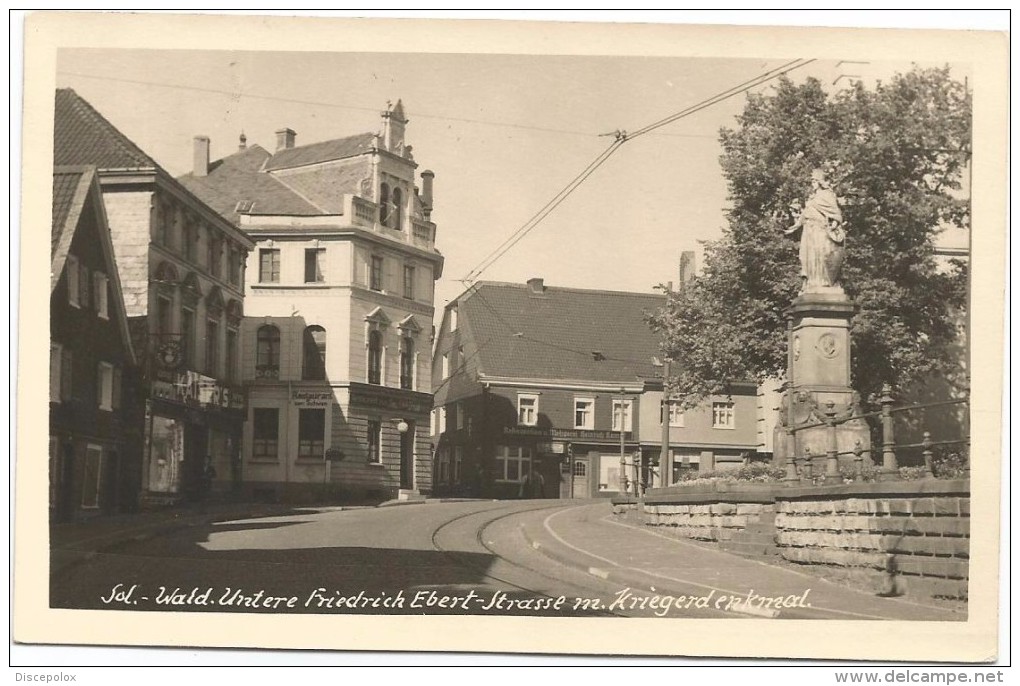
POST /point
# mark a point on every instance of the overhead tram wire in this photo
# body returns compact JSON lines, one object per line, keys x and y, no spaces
{"x":622,"y":137}
{"x":543,"y":212}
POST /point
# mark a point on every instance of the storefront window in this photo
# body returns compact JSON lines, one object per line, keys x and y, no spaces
{"x":166,"y":455}
{"x":513,"y":463}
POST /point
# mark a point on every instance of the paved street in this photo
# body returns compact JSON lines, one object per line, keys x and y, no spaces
{"x":480,"y":557}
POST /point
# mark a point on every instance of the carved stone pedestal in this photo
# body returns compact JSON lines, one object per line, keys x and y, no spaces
{"x":818,"y":396}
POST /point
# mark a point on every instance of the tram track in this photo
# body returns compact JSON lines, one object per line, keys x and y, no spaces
{"x":460,"y":557}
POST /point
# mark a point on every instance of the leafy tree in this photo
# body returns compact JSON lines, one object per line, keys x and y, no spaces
{"x":895,"y":155}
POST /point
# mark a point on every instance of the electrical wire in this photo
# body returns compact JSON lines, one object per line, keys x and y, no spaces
{"x":621,"y":138}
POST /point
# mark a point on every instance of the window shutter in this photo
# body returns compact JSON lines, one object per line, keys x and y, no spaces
{"x":66,"y":369}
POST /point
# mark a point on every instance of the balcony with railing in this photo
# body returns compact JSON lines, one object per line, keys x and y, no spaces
{"x":365,"y":214}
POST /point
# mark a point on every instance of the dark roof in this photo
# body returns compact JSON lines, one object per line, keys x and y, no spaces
{"x":66,"y":182}
{"x":238,"y":178}
{"x":326,"y":186}
{"x":326,"y":151}
{"x":562,"y":333}
{"x":83,"y":136}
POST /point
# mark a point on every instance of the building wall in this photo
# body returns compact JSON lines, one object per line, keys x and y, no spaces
{"x":95,"y":448}
{"x":130,"y":215}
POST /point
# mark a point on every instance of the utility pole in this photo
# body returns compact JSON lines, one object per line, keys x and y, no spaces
{"x":667,"y":406}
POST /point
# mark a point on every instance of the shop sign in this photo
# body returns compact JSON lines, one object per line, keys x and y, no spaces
{"x":303,"y":398}
{"x":197,"y":390}
{"x":383,"y":399}
{"x":590,"y":434}
{"x":525,"y":431}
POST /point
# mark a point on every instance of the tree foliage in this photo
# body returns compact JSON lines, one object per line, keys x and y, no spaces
{"x":895,"y":155}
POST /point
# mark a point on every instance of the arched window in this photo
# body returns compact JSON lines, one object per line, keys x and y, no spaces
{"x":267,"y":353}
{"x":407,"y":364}
{"x":580,"y":468}
{"x":398,"y":208}
{"x":375,"y":357}
{"x":314,"y":367}
{"x":384,"y":204}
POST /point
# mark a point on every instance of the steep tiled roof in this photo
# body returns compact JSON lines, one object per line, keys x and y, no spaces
{"x":562,"y":333}
{"x":325,"y":151}
{"x":326,"y":186}
{"x":237,"y":179}
{"x":66,"y":182}
{"x":83,"y":136}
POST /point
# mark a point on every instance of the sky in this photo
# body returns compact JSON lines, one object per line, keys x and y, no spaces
{"x":503,"y":134}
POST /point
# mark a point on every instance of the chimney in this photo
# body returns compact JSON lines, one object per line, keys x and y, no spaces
{"x":242,"y":142}
{"x":201,"y":159}
{"x":426,"y":190}
{"x":285,"y":139}
{"x":536,"y":285}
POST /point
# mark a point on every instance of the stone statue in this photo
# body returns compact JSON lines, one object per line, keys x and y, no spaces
{"x":822,"y":237}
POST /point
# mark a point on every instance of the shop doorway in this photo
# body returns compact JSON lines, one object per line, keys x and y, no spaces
{"x":196,"y":446}
{"x":579,"y":481}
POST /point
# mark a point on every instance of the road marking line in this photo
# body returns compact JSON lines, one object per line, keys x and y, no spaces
{"x":548,"y":528}
{"x":600,"y":573}
{"x":804,"y":575}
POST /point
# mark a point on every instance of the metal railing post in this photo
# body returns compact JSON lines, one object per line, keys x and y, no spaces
{"x":929,"y":472}
{"x":890,"y":470}
{"x":832,"y":454}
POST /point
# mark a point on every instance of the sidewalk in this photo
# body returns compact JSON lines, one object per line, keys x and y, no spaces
{"x":588,"y":538}
{"x":72,"y":542}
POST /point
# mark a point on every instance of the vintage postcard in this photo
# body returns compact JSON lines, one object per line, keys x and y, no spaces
{"x":511,"y":337}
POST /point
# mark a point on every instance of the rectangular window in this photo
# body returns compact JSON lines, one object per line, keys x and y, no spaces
{"x":513,"y":463}
{"x":73,"y":273}
{"x":622,"y":415}
{"x":584,"y":413}
{"x":311,"y":433}
{"x":164,"y":318}
{"x":212,"y":347}
{"x":722,"y":416}
{"x":376,"y":275}
{"x":460,"y":415}
{"x":527,"y":410}
{"x":215,"y":256}
{"x":265,"y":432}
{"x":102,"y":294}
{"x":453,"y":318}
{"x":446,"y":365}
{"x":235,"y":266}
{"x":442,"y":419}
{"x":66,"y":374}
{"x":188,"y":337}
{"x":92,"y":477}
{"x":104,"y":386}
{"x":374,"y":441}
{"x":676,"y":414}
{"x":118,"y":384}
{"x":269,"y":265}
{"x":444,"y":466}
{"x":458,"y":463}
{"x":56,"y":358}
{"x":409,"y":282}
{"x":230,"y":370}
{"x":314,"y":258}
{"x":83,"y":287}
{"x":190,"y":240}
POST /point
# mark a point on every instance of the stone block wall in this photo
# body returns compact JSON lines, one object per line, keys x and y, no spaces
{"x":916,"y":545}
{"x":706,"y":521}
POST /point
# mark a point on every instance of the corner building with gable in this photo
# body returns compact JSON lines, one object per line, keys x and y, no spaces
{"x":336,"y":341}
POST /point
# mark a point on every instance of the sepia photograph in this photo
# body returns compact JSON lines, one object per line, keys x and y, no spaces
{"x":511,"y":337}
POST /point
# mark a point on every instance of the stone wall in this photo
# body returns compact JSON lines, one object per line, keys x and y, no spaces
{"x":709,"y":521}
{"x":898,"y":537}
{"x":917,"y":545}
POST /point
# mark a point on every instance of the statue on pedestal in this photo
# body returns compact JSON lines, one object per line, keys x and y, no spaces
{"x":822,"y":237}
